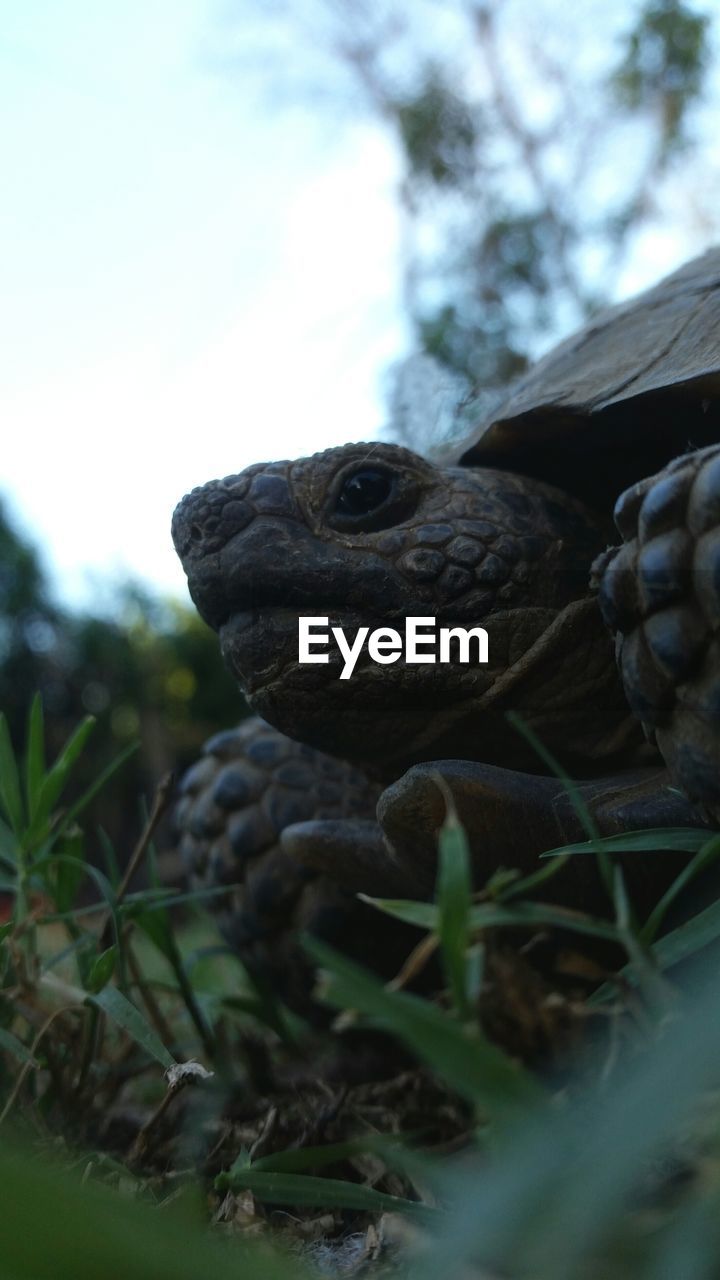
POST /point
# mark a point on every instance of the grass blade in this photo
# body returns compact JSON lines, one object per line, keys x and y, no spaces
{"x":704,"y":857}
{"x":10,"y":793}
{"x":681,"y":944}
{"x":101,"y":970}
{"x":34,"y":755}
{"x":454,"y":899}
{"x":537,"y":915}
{"x":8,"y":845}
{"x":86,"y":868}
{"x":477,"y":1069}
{"x":53,"y":1225}
{"x":318,"y":1193}
{"x":642,"y":962}
{"x":98,"y":784}
{"x":578,"y":803}
{"x":65,"y":871}
{"x":688,"y":938}
{"x":527,"y":884}
{"x":56,"y":778}
{"x":125,"y":1014}
{"x":491,"y":915}
{"x":423,"y":914}
{"x":11,"y":1044}
{"x":651,"y":840}
{"x":297,"y":1160}
{"x":556,"y":1195}
{"x":556,"y":768}
{"x":107,"y":847}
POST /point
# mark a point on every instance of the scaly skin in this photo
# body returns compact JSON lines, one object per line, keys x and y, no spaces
{"x":250,"y":785}
{"x":660,"y":593}
{"x":467,"y":546}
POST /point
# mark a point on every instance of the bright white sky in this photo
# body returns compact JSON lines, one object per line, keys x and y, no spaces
{"x":190,"y":280}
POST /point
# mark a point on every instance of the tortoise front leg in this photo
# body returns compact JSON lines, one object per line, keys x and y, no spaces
{"x":511,"y":818}
{"x":660,"y":594}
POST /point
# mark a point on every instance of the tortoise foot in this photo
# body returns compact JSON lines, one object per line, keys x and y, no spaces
{"x":660,"y":594}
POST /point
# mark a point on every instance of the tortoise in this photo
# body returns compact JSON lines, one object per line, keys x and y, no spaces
{"x":610,"y":654}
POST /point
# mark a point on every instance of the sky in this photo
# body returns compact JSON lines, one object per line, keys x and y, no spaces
{"x":190,"y":281}
{"x":190,"y":278}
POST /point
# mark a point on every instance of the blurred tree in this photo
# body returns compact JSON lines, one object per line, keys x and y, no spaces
{"x":28,"y":626}
{"x":537,"y":142}
{"x":153,"y":673}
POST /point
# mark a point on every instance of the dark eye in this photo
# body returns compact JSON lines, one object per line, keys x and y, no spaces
{"x":364,"y":491}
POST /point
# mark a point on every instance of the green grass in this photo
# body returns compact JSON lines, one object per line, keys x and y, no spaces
{"x":558,"y":1178}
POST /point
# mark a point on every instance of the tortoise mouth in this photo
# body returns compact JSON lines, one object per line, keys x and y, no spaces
{"x":260,"y":644}
{"x":236,"y":588}
{"x":259,"y":610}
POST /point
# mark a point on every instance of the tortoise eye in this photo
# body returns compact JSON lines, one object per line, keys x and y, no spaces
{"x":364,"y":491}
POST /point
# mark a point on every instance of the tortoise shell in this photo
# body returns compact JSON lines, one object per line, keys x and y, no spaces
{"x":616,"y":401}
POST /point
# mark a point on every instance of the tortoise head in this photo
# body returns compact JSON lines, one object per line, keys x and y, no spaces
{"x":368,"y":535}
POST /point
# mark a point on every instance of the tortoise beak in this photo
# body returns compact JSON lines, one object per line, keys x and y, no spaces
{"x":246,"y":549}
{"x":226,"y":547}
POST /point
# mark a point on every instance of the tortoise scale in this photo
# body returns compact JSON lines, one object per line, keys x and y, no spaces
{"x":609,"y":653}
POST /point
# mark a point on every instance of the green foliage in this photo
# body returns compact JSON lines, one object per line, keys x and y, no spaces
{"x":664,"y":67}
{"x":562,"y":1192}
{"x":438,"y":132}
{"x":537,"y":143}
{"x":56,"y":1226}
{"x":43,"y":856}
{"x":36,"y":841}
{"x":556,"y":1183}
{"x":567,"y":1196}
{"x":513,"y":211}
